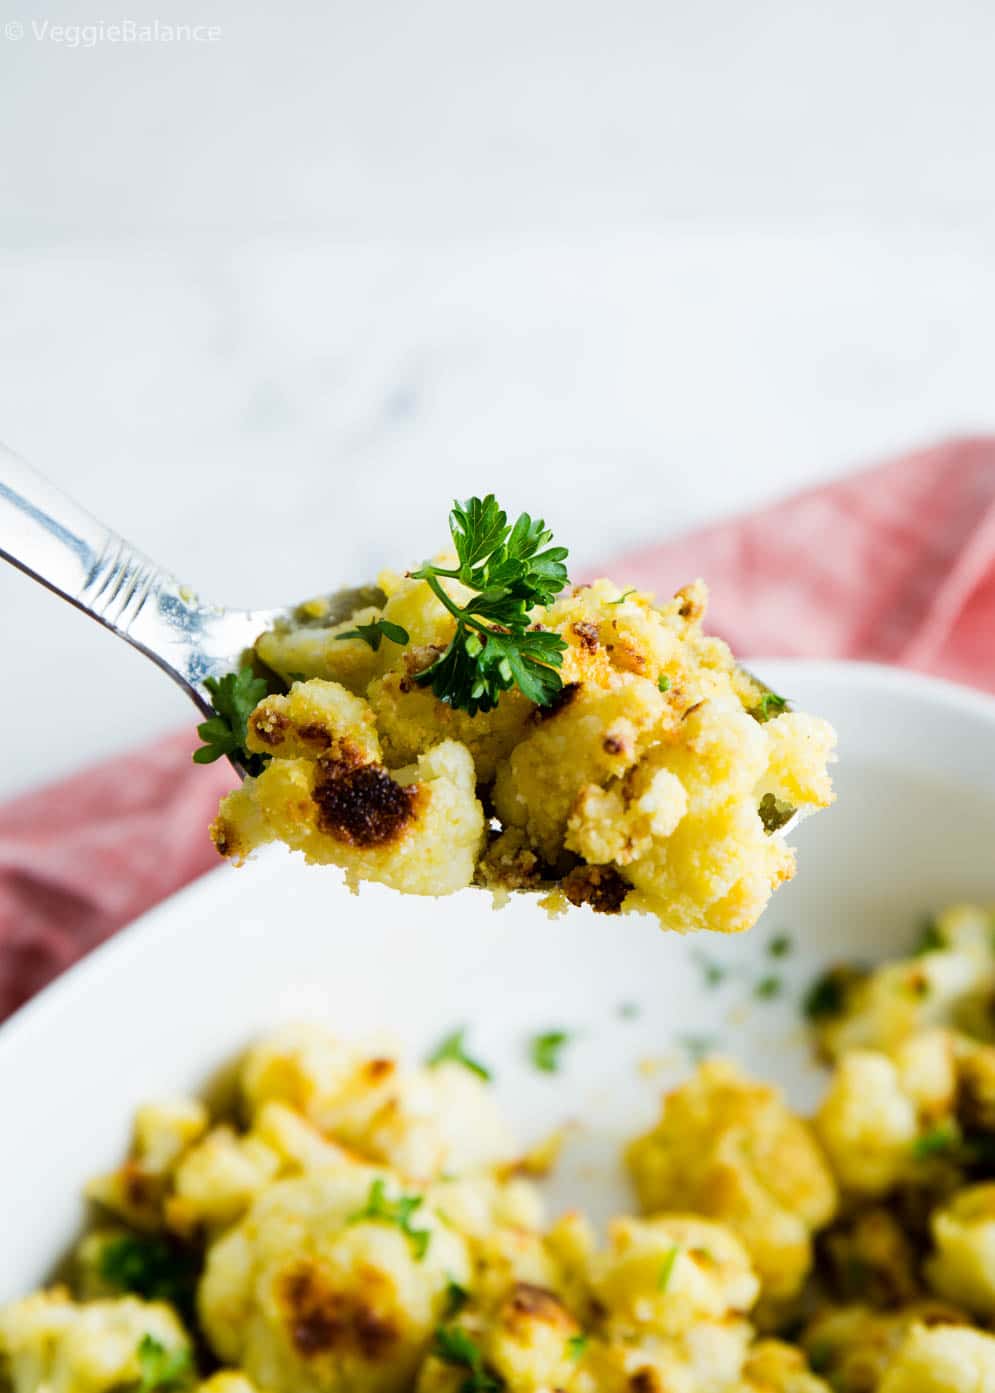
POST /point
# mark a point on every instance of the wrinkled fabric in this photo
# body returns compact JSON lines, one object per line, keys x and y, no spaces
{"x":894,"y":564}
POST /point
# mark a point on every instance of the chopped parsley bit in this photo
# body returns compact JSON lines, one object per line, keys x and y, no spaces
{"x":623,"y":597}
{"x":451,"y":1050}
{"x":779,"y":946}
{"x":150,"y":1267}
{"x":455,"y":1347}
{"x":938,"y":1141}
{"x":713,"y":973}
{"x":663,"y":682}
{"x":380,"y":1210}
{"x":495,"y":645}
{"x":544,"y":1050}
{"x":769,"y":706}
{"x":456,"y":1297}
{"x":696,"y":1046}
{"x":768,"y":987}
{"x":667,"y":1268}
{"x":374,"y":633}
{"x":162,"y":1368}
{"x":576,"y":1345}
{"x":774,"y":814}
{"x":629,"y":1010}
{"x":234,"y":698}
{"x":826,"y":997}
{"x":931,"y":940}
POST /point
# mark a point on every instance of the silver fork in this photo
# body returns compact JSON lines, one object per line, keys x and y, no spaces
{"x":50,"y":537}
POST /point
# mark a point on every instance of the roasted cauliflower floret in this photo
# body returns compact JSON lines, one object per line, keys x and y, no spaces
{"x":663,"y":1275}
{"x":730,"y":1148}
{"x":943,"y":1360}
{"x":49,"y":1342}
{"x":854,"y":1346}
{"x":325,"y":792}
{"x":949,"y":982}
{"x":775,"y":1367}
{"x":331,"y":1281}
{"x":423,"y":1121}
{"x":962,"y":1269}
{"x":162,"y":1133}
{"x":867,"y":1123}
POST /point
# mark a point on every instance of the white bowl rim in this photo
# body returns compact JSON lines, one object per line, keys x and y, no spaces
{"x":17,"y":1032}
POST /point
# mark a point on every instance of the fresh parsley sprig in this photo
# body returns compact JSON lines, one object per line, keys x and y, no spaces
{"x":162,"y":1369}
{"x":451,"y":1050}
{"x":453,"y":1346}
{"x":400,"y":1212}
{"x":374,"y":633}
{"x":234,"y":698}
{"x":151,"y":1267}
{"x":512,"y":569}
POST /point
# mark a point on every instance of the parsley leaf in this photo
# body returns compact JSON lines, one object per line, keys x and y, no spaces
{"x":939,"y":1141}
{"x":931,"y":940}
{"x":234,"y":697}
{"x":545,"y":1050}
{"x":663,"y":682}
{"x":152,"y":1268}
{"x":623,"y":597}
{"x":827,"y":995}
{"x":374,"y":633}
{"x":456,"y":1297}
{"x":455,"y":1347}
{"x":779,"y":946}
{"x":769,"y":706}
{"x":768,"y":987}
{"x":774,"y":814}
{"x":162,"y":1368}
{"x":667,"y":1268}
{"x":451,"y":1049}
{"x":576,"y":1345}
{"x":400,"y":1212}
{"x":696,"y":1047}
{"x":495,"y":647}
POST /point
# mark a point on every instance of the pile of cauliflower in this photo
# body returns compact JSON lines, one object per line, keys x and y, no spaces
{"x":353,"y":1225}
{"x":656,"y":781}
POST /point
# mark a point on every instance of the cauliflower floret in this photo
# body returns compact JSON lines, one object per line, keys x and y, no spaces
{"x":867,"y":1123}
{"x":730,"y":1148}
{"x":774,"y":1367}
{"x":944,"y":1360}
{"x":50,"y":1342}
{"x":218,"y":1178}
{"x":666,"y":1274}
{"x":312,"y":1292}
{"x":942,"y":985}
{"x":423,"y":1121}
{"x":162,"y":1134}
{"x":325,"y":793}
{"x":962,"y":1269}
{"x":854,"y":1346}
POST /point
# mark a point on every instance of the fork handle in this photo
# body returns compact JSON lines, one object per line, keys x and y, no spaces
{"x":46,"y":534}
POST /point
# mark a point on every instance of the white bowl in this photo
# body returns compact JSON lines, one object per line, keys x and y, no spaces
{"x":162,"y":1007}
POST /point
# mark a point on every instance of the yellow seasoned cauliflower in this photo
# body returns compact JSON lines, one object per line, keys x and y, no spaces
{"x":424,"y":1121}
{"x":655,"y":779}
{"x":162,"y":1134}
{"x":948,"y":982}
{"x":867,"y":1123}
{"x":962,"y":1269}
{"x":730,"y":1148}
{"x":854,"y":1346}
{"x":331,"y":1281}
{"x":944,"y":1360}
{"x":775,"y":1367}
{"x":49,"y":1342}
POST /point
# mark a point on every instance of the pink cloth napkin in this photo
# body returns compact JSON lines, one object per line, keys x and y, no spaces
{"x":896,"y":563}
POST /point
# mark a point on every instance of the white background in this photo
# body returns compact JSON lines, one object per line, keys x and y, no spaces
{"x":267,"y":303}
